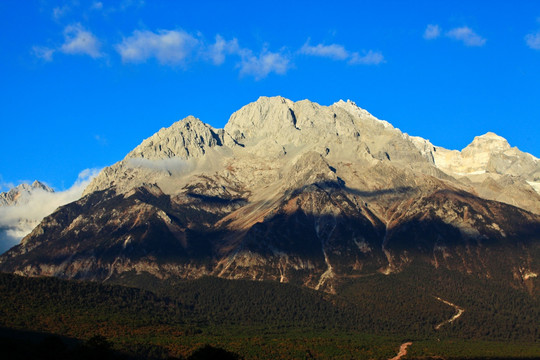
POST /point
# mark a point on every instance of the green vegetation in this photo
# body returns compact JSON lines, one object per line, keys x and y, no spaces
{"x":370,"y":318}
{"x":493,"y":310}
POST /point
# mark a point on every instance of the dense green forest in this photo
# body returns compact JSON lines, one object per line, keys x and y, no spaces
{"x":369,"y":319}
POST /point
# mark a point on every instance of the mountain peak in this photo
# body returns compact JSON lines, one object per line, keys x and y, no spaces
{"x":184,"y":139}
{"x":489,"y":142}
{"x":21,"y":192}
{"x":351,"y":107}
{"x":295,"y":192}
{"x":278,"y":129}
{"x":266,"y":116}
{"x":39,"y":185}
{"x":491,"y":135}
{"x":278,"y":99}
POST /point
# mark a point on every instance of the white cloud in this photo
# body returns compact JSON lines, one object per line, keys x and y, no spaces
{"x":116,"y":6}
{"x":263,"y":64}
{"x":370,"y":58}
{"x":60,"y":11}
{"x":176,"y":47}
{"x":171,"y":165}
{"x":432,"y":32}
{"x":467,"y":36}
{"x":333,"y":51}
{"x":217,"y":51}
{"x":43,"y":52}
{"x":125,"y":4}
{"x":5,"y":186}
{"x":533,"y":40}
{"x":17,"y":221}
{"x":97,"y":5}
{"x":338,"y":52}
{"x":258,"y":66}
{"x":170,"y":47}
{"x":79,"y":41}
{"x":101,"y":140}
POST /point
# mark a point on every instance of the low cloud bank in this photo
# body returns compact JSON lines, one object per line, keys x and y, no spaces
{"x":173,"y":166}
{"x":19,"y":220}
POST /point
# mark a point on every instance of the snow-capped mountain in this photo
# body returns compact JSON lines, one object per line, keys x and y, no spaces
{"x":296,"y":192}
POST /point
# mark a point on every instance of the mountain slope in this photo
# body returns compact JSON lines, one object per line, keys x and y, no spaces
{"x":295,"y":192}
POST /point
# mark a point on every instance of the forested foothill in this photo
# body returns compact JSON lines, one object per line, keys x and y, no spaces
{"x":369,"y":318}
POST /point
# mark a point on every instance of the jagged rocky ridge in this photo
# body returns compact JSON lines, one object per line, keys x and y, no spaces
{"x":296,"y":192}
{"x":21,"y":193}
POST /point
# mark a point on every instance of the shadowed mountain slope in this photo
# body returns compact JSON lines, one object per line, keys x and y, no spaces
{"x":296,"y":192}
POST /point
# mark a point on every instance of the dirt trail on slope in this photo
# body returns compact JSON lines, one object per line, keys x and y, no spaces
{"x":460,"y":312}
{"x":402,"y":351}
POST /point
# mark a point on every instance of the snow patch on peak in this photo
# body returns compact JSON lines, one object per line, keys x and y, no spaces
{"x":349,"y":104}
{"x":351,"y":107}
{"x":535,"y":185}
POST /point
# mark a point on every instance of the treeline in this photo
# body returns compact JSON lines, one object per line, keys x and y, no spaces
{"x":382,"y":305}
{"x":402,"y":304}
{"x":54,"y":304}
{"x":179,"y":316}
{"x":494,"y":310}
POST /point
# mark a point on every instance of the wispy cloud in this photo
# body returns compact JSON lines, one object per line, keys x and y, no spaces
{"x":43,"y":52}
{"x":370,"y":58}
{"x":171,"y":165}
{"x":332,"y":51}
{"x":432,"y":32}
{"x":533,"y":40}
{"x":170,"y":47}
{"x":79,"y":41}
{"x":60,"y":11}
{"x":221,"y":48}
{"x":467,"y":36}
{"x":18,"y":220}
{"x":339,"y":52}
{"x":177,"y":47}
{"x":261,"y":65}
{"x":257,"y":65}
{"x":464,"y":34}
{"x":112,"y":7}
{"x":125,"y":4}
{"x":97,"y":5}
{"x":5,"y":186}
{"x":101,"y":140}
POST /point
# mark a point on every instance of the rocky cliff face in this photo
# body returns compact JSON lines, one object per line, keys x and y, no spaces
{"x":296,"y":192}
{"x":495,"y":170}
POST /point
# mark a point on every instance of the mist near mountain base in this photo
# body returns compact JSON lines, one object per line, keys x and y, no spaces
{"x":17,"y":221}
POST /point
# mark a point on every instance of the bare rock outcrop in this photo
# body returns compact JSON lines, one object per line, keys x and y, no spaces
{"x":295,"y":192}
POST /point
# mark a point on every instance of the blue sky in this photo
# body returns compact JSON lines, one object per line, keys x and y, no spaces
{"x":84,"y":82}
